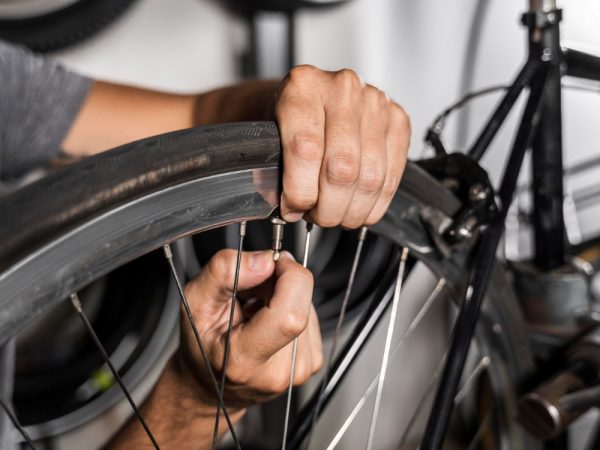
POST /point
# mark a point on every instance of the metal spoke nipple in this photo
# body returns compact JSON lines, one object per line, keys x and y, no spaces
{"x":76,"y":302}
{"x":278,"y":224}
{"x":168,"y":251}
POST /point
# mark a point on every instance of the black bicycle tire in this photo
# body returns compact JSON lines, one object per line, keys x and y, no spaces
{"x":65,"y":202}
{"x":64,"y":27}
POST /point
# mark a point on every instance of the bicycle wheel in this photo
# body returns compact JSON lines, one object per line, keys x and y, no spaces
{"x":80,"y":223}
{"x":45,"y":26}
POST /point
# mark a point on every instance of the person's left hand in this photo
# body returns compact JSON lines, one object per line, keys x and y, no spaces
{"x":276,"y":307}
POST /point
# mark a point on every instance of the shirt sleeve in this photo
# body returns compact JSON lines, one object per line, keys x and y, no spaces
{"x":39,"y":100}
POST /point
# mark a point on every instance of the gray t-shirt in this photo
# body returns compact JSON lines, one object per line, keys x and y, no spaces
{"x":39,"y":100}
{"x":38,"y":103}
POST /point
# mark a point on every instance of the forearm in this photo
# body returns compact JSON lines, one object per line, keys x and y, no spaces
{"x":175,"y":413}
{"x":113,"y":114}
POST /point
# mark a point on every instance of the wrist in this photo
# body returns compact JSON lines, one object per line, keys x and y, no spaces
{"x":195,"y":389}
{"x":252,"y":100}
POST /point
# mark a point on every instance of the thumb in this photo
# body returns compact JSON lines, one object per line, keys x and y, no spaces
{"x":213,"y":287}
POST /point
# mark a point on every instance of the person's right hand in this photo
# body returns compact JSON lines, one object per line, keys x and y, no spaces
{"x":344,"y":147}
{"x":276,"y":307}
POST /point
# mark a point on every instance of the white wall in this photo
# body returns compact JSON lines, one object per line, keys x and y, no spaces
{"x":179,"y":46}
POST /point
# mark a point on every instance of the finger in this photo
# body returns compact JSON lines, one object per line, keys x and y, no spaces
{"x":341,"y":162}
{"x":273,"y":376}
{"x":397,"y":142}
{"x":263,"y":291}
{"x":275,"y":326}
{"x":212,"y":289}
{"x":301,"y":118}
{"x":373,"y":160}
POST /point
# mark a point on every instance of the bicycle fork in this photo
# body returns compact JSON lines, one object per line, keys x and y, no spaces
{"x":536,"y":75}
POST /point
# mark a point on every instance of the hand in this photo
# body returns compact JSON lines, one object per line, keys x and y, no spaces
{"x":276,"y":308}
{"x":344,"y":147}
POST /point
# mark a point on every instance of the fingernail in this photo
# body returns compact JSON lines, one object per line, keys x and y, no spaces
{"x":260,"y":260}
{"x":293,"y":216}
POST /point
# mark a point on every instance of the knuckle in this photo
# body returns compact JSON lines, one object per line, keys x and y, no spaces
{"x":374,"y":96}
{"x":302,"y":73}
{"x":307,"y":146}
{"x":342,"y":169}
{"x":237,"y":374}
{"x":293,"y":322}
{"x":219,"y":266}
{"x":280,"y":382}
{"x":348,"y":79}
{"x":372,"y":178}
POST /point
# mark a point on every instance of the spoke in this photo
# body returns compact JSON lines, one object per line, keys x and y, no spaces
{"x":13,"y":418}
{"x":229,"y":330}
{"x":295,"y":348}
{"x":338,"y":328}
{"x":483,"y":364}
{"x":190,"y":318}
{"x":485,"y":424}
{"x":388,"y":343}
{"x":395,"y":352}
{"x":77,"y":305}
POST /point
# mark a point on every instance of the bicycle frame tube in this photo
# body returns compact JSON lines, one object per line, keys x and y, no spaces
{"x":496,"y":120}
{"x":543,"y":21}
{"x":483,"y":262}
{"x":582,"y":65}
{"x":547,"y":159}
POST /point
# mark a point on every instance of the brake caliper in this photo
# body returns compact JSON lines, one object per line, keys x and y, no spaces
{"x":470,"y":183}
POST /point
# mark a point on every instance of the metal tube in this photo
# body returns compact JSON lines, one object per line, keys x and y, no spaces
{"x":483,"y":262}
{"x":583,"y":399}
{"x":541,"y":5}
{"x":582,"y":65}
{"x":290,"y":56}
{"x":547,"y":159}
{"x":497,"y":119}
